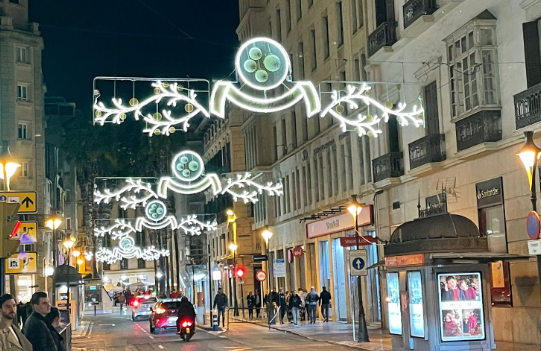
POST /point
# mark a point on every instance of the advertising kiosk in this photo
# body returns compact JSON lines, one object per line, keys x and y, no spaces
{"x":438,"y":286}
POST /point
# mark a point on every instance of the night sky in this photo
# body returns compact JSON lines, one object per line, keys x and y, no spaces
{"x":143,"y":38}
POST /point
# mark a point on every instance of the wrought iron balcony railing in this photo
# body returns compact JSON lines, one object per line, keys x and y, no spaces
{"x":384,"y":35}
{"x":430,"y":148}
{"x":390,"y":165}
{"x":414,"y":9}
{"x":528,"y":107}
{"x":484,"y":126}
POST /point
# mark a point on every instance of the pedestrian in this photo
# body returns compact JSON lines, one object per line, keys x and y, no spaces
{"x":128,"y":296}
{"x":325,"y":301}
{"x":282,"y":305}
{"x":121,"y":300}
{"x":36,"y":329}
{"x":272,"y":301}
{"x":250,"y":299}
{"x":294,"y":305}
{"x":220,"y":303}
{"x":257,"y":303}
{"x":302,"y":311}
{"x":311,"y":300}
{"x":174,"y":294}
{"x":11,"y":337}
{"x":53,"y":322}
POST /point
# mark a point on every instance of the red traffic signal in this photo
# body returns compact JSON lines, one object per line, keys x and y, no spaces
{"x":239,"y":272}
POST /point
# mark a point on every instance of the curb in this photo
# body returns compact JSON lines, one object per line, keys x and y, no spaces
{"x":84,"y":333}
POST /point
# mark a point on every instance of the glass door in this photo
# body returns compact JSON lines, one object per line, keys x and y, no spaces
{"x":339,"y":296}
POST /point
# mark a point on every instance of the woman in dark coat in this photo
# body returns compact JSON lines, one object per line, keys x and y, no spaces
{"x":53,"y":322}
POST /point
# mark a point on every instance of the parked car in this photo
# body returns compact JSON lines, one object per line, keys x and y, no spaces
{"x":142,"y":306}
{"x":164,"y":315}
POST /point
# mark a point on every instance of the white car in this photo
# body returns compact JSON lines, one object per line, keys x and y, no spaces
{"x":141,"y":306}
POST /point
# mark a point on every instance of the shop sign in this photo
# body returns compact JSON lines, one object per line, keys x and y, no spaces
{"x":405,"y":260}
{"x":489,"y":193}
{"x":339,"y":223}
{"x":216,"y":274}
{"x":298,"y":251}
{"x":348,"y":241}
{"x":462,"y":315}
{"x":393,"y":305}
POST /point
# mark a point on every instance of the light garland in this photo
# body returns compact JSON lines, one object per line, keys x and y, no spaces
{"x":160,"y":123}
{"x":192,"y":226}
{"x":246,"y":180}
{"x":133,"y":185}
{"x":148,"y":254}
{"x":369,"y":124}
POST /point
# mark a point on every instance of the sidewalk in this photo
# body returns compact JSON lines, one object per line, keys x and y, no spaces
{"x":332,"y":332}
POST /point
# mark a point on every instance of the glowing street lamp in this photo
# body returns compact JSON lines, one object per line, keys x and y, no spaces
{"x":529,"y":154}
{"x":76,"y":253}
{"x":8,"y":166}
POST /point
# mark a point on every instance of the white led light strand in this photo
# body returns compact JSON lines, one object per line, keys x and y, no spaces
{"x":192,"y":226}
{"x":136,"y":186}
{"x":246,"y":180}
{"x":120,"y":229}
{"x":170,"y":92}
{"x":367,"y":124}
{"x":148,"y":254}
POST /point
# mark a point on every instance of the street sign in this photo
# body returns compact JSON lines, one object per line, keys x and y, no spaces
{"x":279,"y":268}
{"x":260,"y":258}
{"x":533,"y":225}
{"x":27,"y":199}
{"x":352,"y":241}
{"x":28,"y":232}
{"x":534,"y":247}
{"x":357,"y":262}
{"x":261,"y":276}
{"x":240,"y":282}
{"x":22,"y":262}
{"x":298,"y":251}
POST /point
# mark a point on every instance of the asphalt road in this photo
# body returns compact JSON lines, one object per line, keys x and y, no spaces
{"x":119,"y":333}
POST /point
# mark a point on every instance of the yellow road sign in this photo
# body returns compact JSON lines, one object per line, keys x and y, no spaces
{"x":27,"y":199}
{"x":28,"y":232}
{"x":22,"y":262}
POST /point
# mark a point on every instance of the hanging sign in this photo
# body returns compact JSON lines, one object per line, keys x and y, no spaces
{"x":533,"y":225}
{"x":279,"y":268}
{"x":298,"y":251}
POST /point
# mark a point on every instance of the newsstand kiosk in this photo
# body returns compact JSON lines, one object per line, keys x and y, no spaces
{"x":438,"y":287}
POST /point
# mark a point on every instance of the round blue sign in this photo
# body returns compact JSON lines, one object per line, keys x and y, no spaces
{"x":533,"y":225}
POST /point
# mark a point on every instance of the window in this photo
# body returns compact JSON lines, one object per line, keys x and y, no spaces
{"x":106,"y":241}
{"x":325,"y":28}
{"x":278,"y":25}
{"x":106,"y":266}
{"x":284,"y":136}
{"x":299,"y":9}
{"x":24,"y":171}
{"x":275,"y":141}
{"x":316,"y":178}
{"x":357,"y":69}
{"x":22,"y":54}
{"x":354,"y":16}
{"x":22,"y":131}
{"x":364,"y":77}
{"x":309,"y":182}
{"x":334,"y":162}
{"x":472,"y":70}
{"x":288,"y":18}
{"x":141,"y":263}
{"x":340,"y":24}
{"x":431,"y":108}
{"x":294,"y":189}
{"x":140,"y":239}
{"x":124,"y":263}
{"x":287,"y":205}
{"x":301,"y":60}
{"x":294,"y":128}
{"x":313,"y":60}
{"x":321,"y":176}
{"x":330,"y":180}
{"x":22,"y":92}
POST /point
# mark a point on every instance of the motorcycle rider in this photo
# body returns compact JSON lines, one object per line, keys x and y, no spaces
{"x":185,"y":311}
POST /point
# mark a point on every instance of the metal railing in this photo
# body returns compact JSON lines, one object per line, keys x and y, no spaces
{"x":66,"y":334}
{"x":528,"y":107}
{"x":430,"y":148}
{"x":484,"y":126}
{"x":383,"y":35}
{"x":414,"y":9}
{"x":390,"y":165}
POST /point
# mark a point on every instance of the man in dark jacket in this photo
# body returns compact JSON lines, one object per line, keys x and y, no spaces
{"x":294,"y":304}
{"x":282,"y":304}
{"x":186,"y":310}
{"x":35,"y":328}
{"x":220,"y":303}
{"x":311,"y":304}
{"x":325,"y":301}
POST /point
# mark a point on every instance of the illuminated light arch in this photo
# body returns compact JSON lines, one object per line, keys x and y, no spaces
{"x":155,"y":217}
{"x":136,"y":186}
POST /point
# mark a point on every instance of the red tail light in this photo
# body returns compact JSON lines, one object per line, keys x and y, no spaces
{"x":146,"y":297}
{"x":160,"y":310}
{"x":135,"y":303}
{"x":186,"y":324}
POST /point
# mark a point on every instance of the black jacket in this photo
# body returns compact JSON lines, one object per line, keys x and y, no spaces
{"x":58,"y":339}
{"x":220,"y":301}
{"x":251,"y":299}
{"x":185,"y":309}
{"x":282,"y":300}
{"x":325,"y":297}
{"x":39,"y":334}
{"x":295,"y":301}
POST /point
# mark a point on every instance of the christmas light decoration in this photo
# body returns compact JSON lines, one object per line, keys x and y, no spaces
{"x":368,"y":124}
{"x":156,"y":217}
{"x":192,"y":226}
{"x":263,"y":64}
{"x":136,"y":186}
{"x":158,"y":122}
{"x":129,"y":251}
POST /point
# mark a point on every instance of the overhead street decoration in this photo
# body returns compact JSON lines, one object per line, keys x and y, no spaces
{"x":263,"y":66}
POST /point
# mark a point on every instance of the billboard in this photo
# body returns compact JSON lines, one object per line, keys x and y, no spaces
{"x":461,"y":306}
{"x":415,"y":290}
{"x":393,"y":305}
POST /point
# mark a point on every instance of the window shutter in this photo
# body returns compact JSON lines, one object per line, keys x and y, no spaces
{"x":530,"y":33}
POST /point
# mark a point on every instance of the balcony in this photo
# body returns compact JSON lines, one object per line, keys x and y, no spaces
{"x":414,"y":9}
{"x":430,"y":148}
{"x":528,"y":107}
{"x":384,"y":35}
{"x":484,"y":126}
{"x":387,"y":166}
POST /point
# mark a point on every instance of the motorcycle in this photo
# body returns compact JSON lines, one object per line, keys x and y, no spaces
{"x":187,"y":329}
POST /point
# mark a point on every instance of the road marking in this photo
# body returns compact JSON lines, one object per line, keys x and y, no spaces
{"x":108,"y":324}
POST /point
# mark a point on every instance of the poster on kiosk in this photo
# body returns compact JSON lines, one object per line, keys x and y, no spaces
{"x":461,"y":306}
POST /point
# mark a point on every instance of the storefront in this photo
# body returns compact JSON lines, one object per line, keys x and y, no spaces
{"x":332,"y":263}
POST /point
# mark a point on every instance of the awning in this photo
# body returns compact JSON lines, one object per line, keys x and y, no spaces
{"x":64,"y":273}
{"x":481,"y":256}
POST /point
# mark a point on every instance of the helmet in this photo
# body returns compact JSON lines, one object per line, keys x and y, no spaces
{"x":184,"y":298}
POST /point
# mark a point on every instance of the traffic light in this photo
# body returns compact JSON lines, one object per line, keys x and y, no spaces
{"x":239,"y":272}
{"x":9,"y":228}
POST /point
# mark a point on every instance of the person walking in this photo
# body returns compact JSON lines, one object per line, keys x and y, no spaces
{"x":52,"y":319}
{"x":257,"y":303}
{"x":121,"y":300}
{"x":11,"y":337}
{"x":250,"y":299}
{"x":325,"y":301}
{"x":36,"y":329}
{"x":302,"y":311}
{"x":220,"y":303}
{"x":294,"y":305}
{"x":311,"y":300}
{"x":282,"y":304}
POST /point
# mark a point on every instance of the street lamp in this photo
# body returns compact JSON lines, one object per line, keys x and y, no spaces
{"x":233,"y":247}
{"x":355,"y":209}
{"x":529,"y":154}
{"x":267,"y":235}
{"x":8,"y":166}
{"x":54,"y":223}
{"x":68,"y":243}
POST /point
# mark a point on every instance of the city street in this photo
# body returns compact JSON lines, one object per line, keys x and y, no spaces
{"x":120,"y":333}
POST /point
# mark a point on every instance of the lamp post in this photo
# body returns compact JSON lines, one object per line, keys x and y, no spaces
{"x":529,"y":154}
{"x":233,"y":247}
{"x":8,"y":166}
{"x":76,"y":253}
{"x":267,"y":234}
{"x":68,"y":243}
{"x":355,"y":209}
{"x":54,"y":223}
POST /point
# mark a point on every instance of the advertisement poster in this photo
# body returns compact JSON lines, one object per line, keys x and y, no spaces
{"x":461,"y":306}
{"x":393,"y":295}
{"x":415,"y":290}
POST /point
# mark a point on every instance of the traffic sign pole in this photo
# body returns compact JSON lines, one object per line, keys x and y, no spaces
{"x":363,"y":329}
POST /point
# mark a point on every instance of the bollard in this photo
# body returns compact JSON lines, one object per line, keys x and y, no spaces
{"x":215,"y":322}
{"x":94,"y":309}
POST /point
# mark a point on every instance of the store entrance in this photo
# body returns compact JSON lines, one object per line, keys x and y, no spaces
{"x":339,"y":278}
